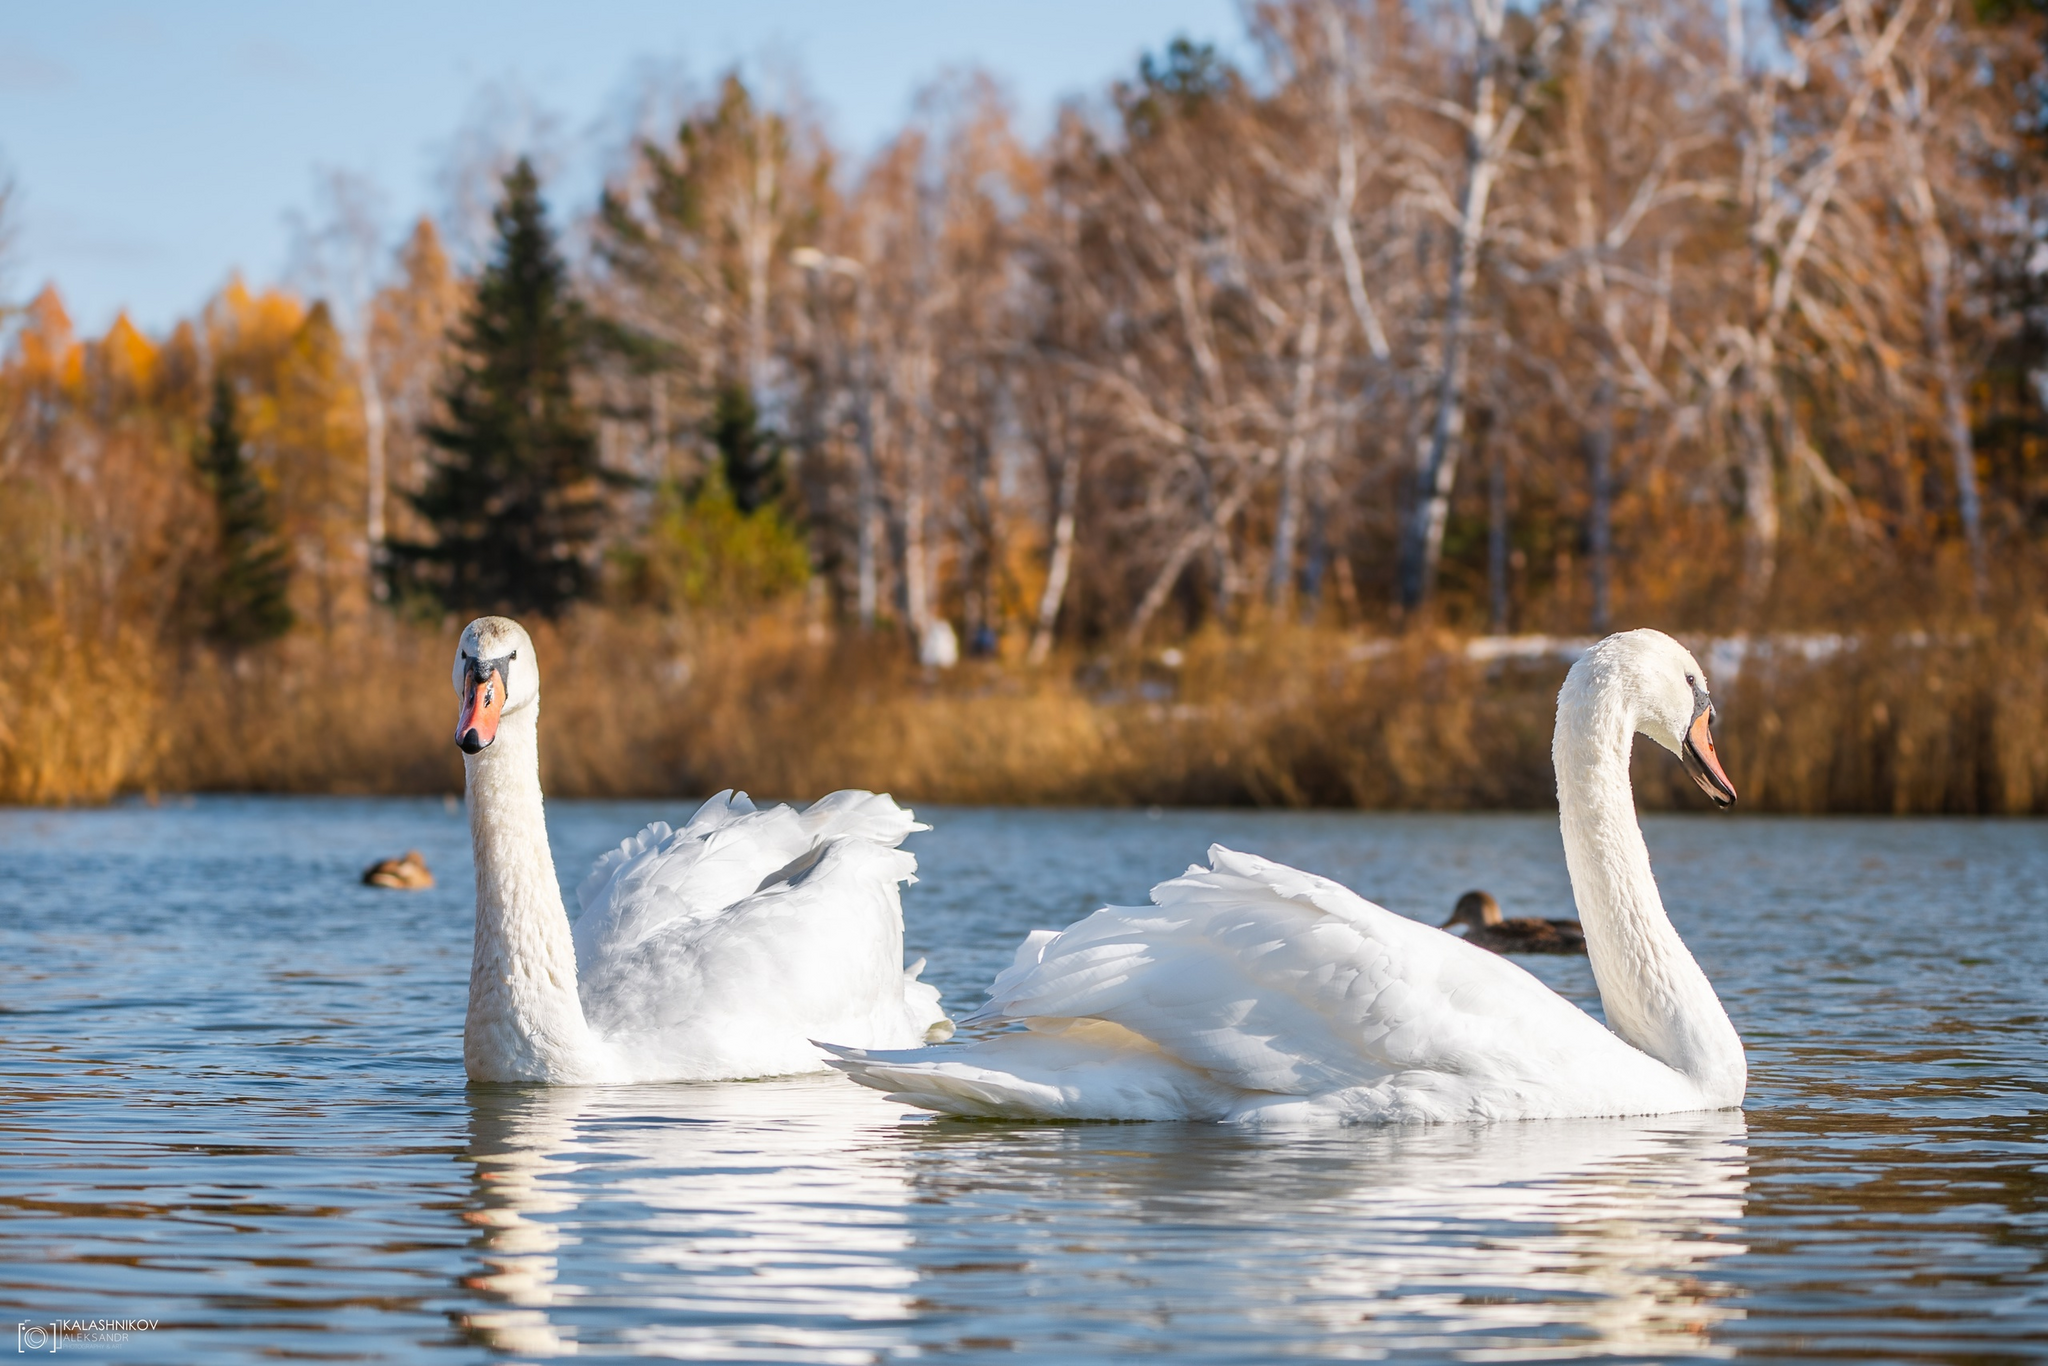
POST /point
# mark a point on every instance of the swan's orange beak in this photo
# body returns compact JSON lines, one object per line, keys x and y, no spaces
{"x":482,"y":700}
{"x":1703,"y":764}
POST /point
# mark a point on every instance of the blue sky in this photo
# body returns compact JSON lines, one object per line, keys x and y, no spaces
{"x":156,"y":148}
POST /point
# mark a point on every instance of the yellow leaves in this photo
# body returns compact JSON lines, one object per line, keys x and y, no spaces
{"x":128,"y":356}
{"x":48,"y":354}
{"x":108,"y":456}
{"x":238,"y":320}
{"x":295,"y":387}
{"x":45,"y":351}
{"x":251,"y":337}
{"x":409,"y":317}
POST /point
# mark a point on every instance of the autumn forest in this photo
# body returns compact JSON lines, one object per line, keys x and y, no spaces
{"x":1265,"y":431}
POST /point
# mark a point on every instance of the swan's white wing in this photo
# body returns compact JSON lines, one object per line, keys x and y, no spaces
{"x":660,"y":875}
{"x":854,"y":814}
{"x":1278,"y":980}
{"x":723,"y":809}
{"x":721,"y":950}
{"x":1277,"y":986}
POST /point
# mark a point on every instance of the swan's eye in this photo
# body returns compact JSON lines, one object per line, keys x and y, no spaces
{"x":1691,"y":682}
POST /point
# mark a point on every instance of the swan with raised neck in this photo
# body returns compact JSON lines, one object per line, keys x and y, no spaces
{"x":1251,"y":992}
{"x":1652,"y":990}
{"x":525,"y":1020}
{"x":715,"y":952}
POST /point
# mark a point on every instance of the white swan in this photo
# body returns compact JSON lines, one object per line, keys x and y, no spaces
{"x":1250,"y":992}
{"x":713,"y":952}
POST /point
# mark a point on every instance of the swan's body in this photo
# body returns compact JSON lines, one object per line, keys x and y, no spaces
{"x":1251,"y":992}
{"x":1484,"y":926}
{"x":713,"y":952}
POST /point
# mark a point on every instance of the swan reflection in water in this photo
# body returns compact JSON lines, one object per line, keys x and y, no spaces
{"x":694,"y":1217}
{"x":803,"y":1220}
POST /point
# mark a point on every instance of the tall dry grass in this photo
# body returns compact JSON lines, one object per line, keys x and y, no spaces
{"x":638,"y":705}
{"x":1902,"y":723}
{"x":77,"y":713}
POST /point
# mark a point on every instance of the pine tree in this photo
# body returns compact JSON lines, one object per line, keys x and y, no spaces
{"x":245,"y":599}
{"x":750,"y":454}
{"x":514,"y":492}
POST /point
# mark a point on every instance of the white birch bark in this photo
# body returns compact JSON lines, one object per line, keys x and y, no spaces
{"x":1307,"y":361}
{"x":375,"y":423}
{"x":1490,"y":132}
{"x":1060,"y":563}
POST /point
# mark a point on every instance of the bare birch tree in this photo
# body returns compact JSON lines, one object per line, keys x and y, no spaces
{"x":1490,"y":120}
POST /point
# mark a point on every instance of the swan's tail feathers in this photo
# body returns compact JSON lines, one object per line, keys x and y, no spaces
{"x":922,"y":1001}
{"x":1028,"y":956}
{"x":857,"y":814}
{"x":909,"y":1077}
{"x":1081,"y":1073}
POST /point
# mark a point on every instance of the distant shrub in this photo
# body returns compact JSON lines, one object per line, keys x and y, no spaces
{"x":705,"y":553}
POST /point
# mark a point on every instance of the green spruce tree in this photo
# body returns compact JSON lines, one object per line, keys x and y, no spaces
{"x":750,"y":454}
{"x":515,"y":493}
{"x":245,"y":595}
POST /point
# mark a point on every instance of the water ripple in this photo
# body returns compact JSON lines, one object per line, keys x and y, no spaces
{"x":231,"y":1102}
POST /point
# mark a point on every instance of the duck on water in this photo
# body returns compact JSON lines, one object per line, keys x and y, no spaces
{"x":407,"y":873}
{"x":1480,"y":914}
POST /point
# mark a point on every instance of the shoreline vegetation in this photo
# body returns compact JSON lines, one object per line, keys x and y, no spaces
{"x":1245,"y":437}
{"x":781,"y":706}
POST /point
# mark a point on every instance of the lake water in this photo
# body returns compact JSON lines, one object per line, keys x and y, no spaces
{"x":233,"y":1105}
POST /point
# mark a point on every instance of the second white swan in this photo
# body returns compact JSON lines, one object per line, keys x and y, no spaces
{"x":714,"y":952}
{"x":1251,"y":992}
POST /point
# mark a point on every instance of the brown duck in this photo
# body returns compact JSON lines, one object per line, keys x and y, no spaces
{"x":1480,"y":914}
{"x":407,"y":874}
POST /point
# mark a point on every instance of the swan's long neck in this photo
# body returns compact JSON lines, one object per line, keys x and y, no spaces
{"x":1653,"y":991}
{"x":525,"y":1022}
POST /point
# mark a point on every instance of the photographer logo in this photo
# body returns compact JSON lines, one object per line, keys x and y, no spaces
{"x":56,"y":1335}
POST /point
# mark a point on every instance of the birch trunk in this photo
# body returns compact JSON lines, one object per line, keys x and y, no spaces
{"x":869,"y":509}
{"x":1759,"y":488}
{"x":1308,"y":355}
{"x":916,"y":472}
{"x":1170,"y":572}
{"x":1436,"y":466}
{"x":375,"y":423}
{"x":1061,"y":562}
{"x":1937,"y":273}
{"x":759,"y":247}
{"x":1781,"y":267}
{"x":1497,"y":541}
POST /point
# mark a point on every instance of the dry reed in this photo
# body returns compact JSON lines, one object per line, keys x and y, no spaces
{"x":637,"y":705}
